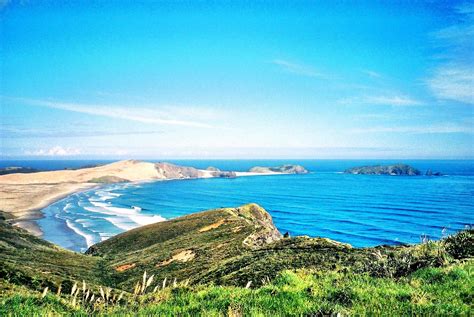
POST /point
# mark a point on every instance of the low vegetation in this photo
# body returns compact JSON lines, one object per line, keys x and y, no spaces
{"x":428,"y":291}
{"x":232,"y":261}
{"x":108,"y":180}
{"x":393,"y":170}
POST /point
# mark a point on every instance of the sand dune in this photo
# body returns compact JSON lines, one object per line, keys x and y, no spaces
{"x":129,"y":170}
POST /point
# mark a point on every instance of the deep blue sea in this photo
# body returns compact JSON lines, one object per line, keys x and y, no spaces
{"x":361,"y":210}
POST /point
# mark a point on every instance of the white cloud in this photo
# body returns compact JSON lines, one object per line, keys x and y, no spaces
{"x":299,"y":69}
{"x":156,"y":115}
{"x":387,"y":100}
{"x":54,"y":151}
{"x":453,"y":77}
{"x":453,"y":82}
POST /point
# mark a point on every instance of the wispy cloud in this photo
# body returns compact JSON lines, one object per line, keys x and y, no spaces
{"x":299,"y":69}
{"x":453,"y":77}
{"x":383,"y":100}
{"x":432,"y":129}
{"x":159,"y":115}
{"x":453,"y":82}
{"x":21,"y":133}
{"x":372,"y":73}
{"x":54,"y":151}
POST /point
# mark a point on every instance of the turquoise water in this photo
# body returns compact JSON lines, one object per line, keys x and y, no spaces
{"x":357,"y":209}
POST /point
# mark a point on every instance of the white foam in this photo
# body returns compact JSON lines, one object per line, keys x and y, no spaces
{"x":121,"y":211}
{"x":98,"y":203}
{"x":98,"y":210}
{"x":105,"y":195}
{"x":89,"y":238}
{"x":68,"y":206}
{"x":146,"y":220}
{"x":121,"y":223}
{"x":86,"y":223}
{"x":107,"y":208}
{"x":133,"y":221}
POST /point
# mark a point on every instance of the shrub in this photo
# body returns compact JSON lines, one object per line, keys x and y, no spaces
{"x":460,"y":245}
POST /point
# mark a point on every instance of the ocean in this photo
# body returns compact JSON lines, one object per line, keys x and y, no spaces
{"x":363,"y":210}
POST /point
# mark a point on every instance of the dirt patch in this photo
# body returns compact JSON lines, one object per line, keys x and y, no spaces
{"x":183,"y":256}
{"x":212,"y":226}
{"x":123,"y":268}
{"x":237,"y":229}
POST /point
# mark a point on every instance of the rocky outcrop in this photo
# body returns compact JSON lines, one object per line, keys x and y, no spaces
{"x":429,"y":172}
{"x":393,"y":170}
{"x":224,"y":174}
{"x":287,"y":169}
{"x":171,"y":171}
{"x":266,"y":233}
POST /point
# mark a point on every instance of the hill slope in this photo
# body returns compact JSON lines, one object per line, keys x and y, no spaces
{"x":225,"y":246}
{"x":237,"y":247}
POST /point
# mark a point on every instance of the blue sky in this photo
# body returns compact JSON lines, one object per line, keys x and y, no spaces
{"x":237,"y":80}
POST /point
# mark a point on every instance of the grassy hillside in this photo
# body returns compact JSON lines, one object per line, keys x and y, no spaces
{"x":232,"y":261}
{"x":429,"y":291}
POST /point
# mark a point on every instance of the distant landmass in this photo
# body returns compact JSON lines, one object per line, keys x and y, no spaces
{"x":287,"y":169}
{"x":394,"y":170}
{"x":17,"y":169}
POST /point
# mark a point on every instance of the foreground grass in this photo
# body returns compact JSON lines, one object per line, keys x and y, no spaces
{"x":287,"y":277}
{"x":429,"y":291}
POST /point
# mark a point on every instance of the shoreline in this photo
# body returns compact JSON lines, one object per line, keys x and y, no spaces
{"x":30,"y":223}
{"x":23,"y":196}
{"x":27,"y":217}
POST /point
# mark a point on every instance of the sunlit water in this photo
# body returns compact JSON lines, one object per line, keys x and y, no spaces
{"x":357,"y":209}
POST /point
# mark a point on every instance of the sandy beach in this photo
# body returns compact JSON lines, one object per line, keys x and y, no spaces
{"x":24,"y":201}
{"x":24,"y":195}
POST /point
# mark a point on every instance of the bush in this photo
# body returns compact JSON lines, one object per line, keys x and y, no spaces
{"x":460,"y":245}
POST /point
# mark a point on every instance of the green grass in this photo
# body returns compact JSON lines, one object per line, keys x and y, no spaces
{"x":428,"y":291}
{"x":108,"y":180}
{"x":289,"y":276}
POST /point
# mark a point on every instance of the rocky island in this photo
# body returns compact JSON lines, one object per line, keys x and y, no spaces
{"x":286,"y":169}
{"x":393,"y":170}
